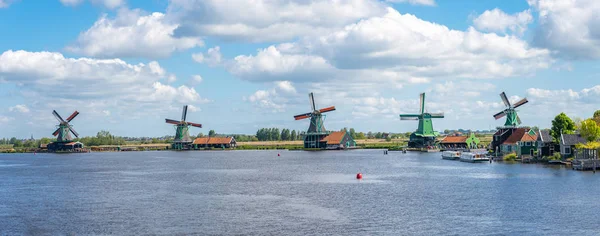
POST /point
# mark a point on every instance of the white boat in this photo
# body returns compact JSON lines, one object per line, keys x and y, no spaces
{"x":450,"y":155}
{"x":473,"y":157}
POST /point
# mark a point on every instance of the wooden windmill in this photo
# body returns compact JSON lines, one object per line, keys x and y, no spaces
{"x":316,"y":130}
{"x":182,"y":138}
{"x":512,"y":118}
{"x":425,"y":134}
{"x":64,"y":130}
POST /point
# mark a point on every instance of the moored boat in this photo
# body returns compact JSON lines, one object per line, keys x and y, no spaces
{"x":450,"y":155}
{"x":473,"y":157}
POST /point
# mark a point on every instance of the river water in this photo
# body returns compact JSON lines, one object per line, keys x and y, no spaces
{"x":297,"y":193}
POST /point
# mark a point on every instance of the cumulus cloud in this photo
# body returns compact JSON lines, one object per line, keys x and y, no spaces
{"x":213,"y":57}
{"x":5,"y":119}
{"x":5,"y":3}
{"x":171,"y":78}
{"x":19,"y":108}
{"x":91,"y":84}
{"x":569,"y":28}
{"x":286,"y":86}
{"x":579,"y":103}
{"x":267,"y":20}
{"x":395,"y":48}
{"x":275,"y":99}
{"x":132,"y":33}
{"x":111,"y":4}
{"x":498,"y":21}
{"x":415,"y":2}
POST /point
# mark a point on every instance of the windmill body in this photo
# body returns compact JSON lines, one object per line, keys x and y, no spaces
{"x":64,"y":140}
{"x":182,"y":140}
{"x":425,"y":135}
{"x":316,"y":130}
{"x":511,"y":124}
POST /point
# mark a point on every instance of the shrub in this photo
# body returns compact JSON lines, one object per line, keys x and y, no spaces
{"x":510,"y":157}
{"x":555,"y":157}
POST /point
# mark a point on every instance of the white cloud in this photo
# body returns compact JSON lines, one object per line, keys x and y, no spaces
{"x":91,"y":85}
{"x":106,"y":112}
{"x":286,"y":86}
{"x":171,"y":78}
{"x":570,"y":28}
{"x":498,"y":21}
{"x":580,"y":103}
{"x":267,"y":20}
{"x":197,"y":78}
{"x":415,"y":2}
{"x":111,"y":4}
{"x":267,"y":100}
{"x":19,"y":108}
{"x":132,"y":33}
{"x":392,"y":49}
{"x":5,"y":119}
{"x":5,"y":3}
{"x":193,"y":108}
{"x":213,"y":57}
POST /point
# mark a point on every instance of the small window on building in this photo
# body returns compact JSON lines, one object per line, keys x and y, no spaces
{"x":567,"y":150}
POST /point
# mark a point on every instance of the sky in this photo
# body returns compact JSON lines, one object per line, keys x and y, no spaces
{"x":126,"y":65}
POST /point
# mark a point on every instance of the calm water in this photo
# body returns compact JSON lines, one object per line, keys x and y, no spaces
{"x":298,"y":193}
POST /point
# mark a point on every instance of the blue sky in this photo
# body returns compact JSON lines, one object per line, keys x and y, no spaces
{"x":126,"y":65}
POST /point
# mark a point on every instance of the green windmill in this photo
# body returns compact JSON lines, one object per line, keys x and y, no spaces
{"x":64,"y":130}
{"x":512,"y":118}
{"x":425,"y":135}
{"x":182,"y":138}
{"x":316,"y":130}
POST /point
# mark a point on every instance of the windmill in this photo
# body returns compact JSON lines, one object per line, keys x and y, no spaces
{"x":316,"y":129}
{"x":64,"y":130}
{"x":512,"y":118}
{"x":425,"y":135}
{"x":182,"y":135}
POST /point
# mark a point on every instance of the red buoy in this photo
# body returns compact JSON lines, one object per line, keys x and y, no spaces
{"x":359,"y":176}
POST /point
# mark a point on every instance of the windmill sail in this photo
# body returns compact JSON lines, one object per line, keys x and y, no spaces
{"x":57,"y":116}
{"x":505,"y":99}
{"x":421,"y":103}
{"x":521,"y":102}
{"x":311,"y":99}
{"x":184,"y":112}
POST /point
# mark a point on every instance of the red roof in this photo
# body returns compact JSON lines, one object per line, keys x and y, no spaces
{"x":520,"y":135}
{"x":455,"y":139}
{"x":334,"y":138}
{"x":213,"y":140}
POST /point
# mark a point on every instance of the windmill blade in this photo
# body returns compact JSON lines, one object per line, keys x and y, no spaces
{"x":499,"y":115}
{"x":518,"y":120}
{"x":72,"y":116}
{"x":172,"y":121}
{"x":311,"y":99}
{"x":521,"y":102}
{"x":303,"y":116}
{"x":194,"y":124}
{"x":56,"y":132}
{"x":184,"y":112}
{"x":421,"y":103}
{"x":437,"y":115}
{"x":408,"y":118}
{"x":505,"y":99}
{"x":73,"y":131}
{"x":57,"y":116}
{"x":328,"y":109}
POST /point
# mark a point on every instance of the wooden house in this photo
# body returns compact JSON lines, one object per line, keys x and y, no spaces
{"x":521,"y":141}
{"x":214,"y":142}
{"x":568,"y":142}
{"x":545,"y":144}
{"x":338,"y":140}
{"x":459,"y":142}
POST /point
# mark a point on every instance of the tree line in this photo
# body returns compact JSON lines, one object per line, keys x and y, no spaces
{"x":588,"y":128}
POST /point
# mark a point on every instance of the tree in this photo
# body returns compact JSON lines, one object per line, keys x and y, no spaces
{"x":596,"y":117}
{"x":45,"y":140}
{"x":211,"y":133}
{"x":535,"y":129}
{"x":590,"y":130}
{"x":200,"y":135}
{"x":293,"y":135}
{"x":361,"y":135}
{"x":352,"y":133}
{"x":561,"y":124}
